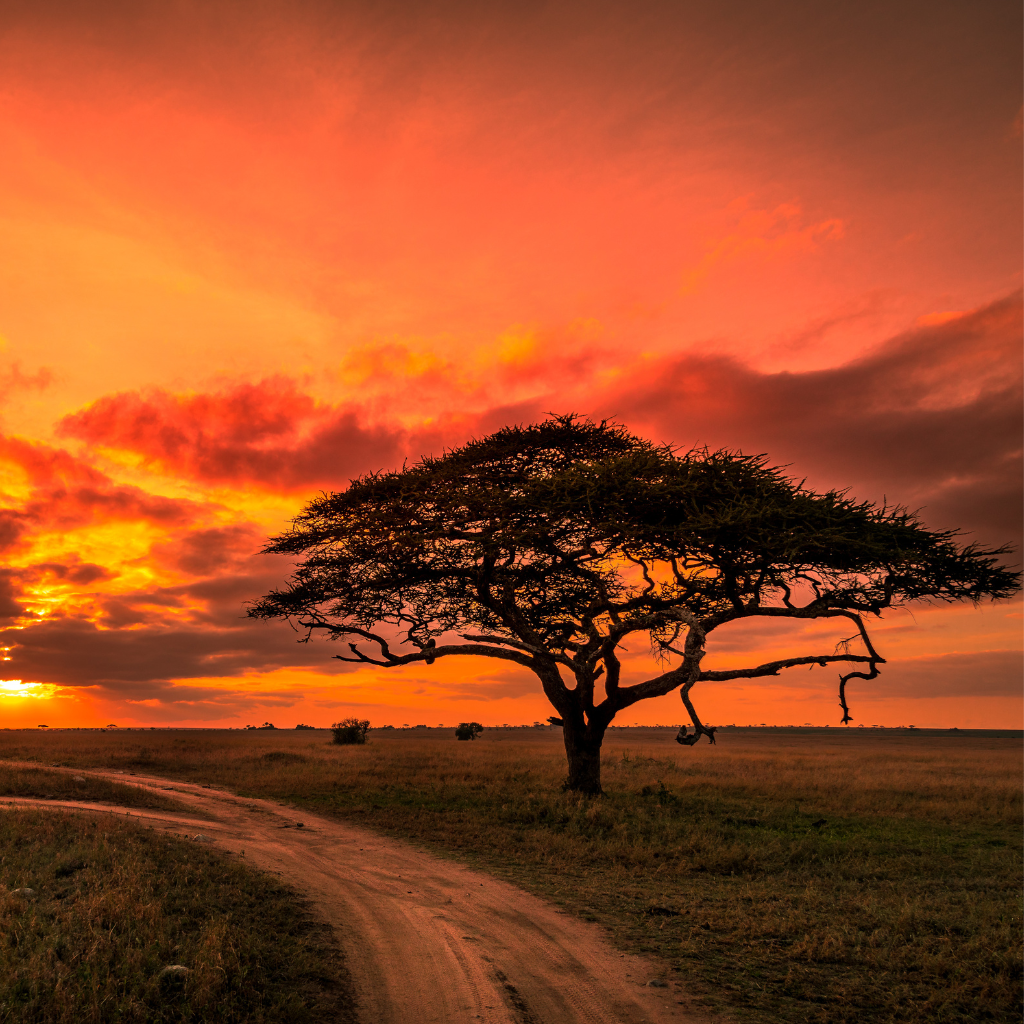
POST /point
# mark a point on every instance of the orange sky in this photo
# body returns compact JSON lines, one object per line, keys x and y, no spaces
{"x":248,"y":251}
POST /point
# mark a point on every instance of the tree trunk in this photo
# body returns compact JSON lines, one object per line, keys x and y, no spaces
{"x":583,"y":752}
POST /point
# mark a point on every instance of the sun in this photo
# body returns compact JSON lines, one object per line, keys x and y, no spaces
{"x":16,"y":688}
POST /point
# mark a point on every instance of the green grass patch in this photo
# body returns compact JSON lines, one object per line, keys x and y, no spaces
{"x":116,"y":903}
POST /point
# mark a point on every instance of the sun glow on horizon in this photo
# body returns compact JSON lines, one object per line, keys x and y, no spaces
{"x":16,"y":688}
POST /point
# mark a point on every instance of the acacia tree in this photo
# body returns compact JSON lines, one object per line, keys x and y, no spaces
{"x":552,"y":545}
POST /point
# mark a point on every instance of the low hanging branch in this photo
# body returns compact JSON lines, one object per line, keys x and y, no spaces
{"x":550,"y":546}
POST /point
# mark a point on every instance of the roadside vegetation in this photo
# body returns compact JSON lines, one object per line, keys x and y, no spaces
{"x":785,"y":875}
{"x":46,"y":784}
{"x":112,"y":905}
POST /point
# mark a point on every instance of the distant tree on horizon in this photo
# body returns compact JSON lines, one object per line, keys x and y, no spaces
{"x":350,"y":731}
{"x":551,"y":545}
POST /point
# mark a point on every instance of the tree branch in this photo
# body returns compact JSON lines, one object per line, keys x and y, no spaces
{"x":393,"y":660}
{"x":540,"y":652}
{"x":699,"y":728}
{"x":772,"y":668}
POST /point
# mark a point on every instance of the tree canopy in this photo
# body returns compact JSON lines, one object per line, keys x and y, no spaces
{"x":550,"y":545}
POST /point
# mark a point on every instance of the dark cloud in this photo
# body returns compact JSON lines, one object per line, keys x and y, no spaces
{"x":81,"y":573}
{"x":218,"y":601}
{"x":10,"y":592}
{"x":209,"y":551}
{"x":12,"y":528}
{"x":270,"y":434}
{"x":931,"y":418}
{"x":981,"y":674}
{"x":74,"y":652}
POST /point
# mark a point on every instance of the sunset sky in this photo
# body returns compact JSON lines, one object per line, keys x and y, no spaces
{"x":249,"y":251}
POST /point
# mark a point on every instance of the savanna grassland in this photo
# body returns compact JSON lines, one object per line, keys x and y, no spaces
{"x":786,"y":875}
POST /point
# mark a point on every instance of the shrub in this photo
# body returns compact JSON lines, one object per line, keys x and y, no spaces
{"x":301,"y":726}
{"x":468,"y":730}
{"x":350,"y":730}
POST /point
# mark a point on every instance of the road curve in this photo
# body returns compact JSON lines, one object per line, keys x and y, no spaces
{"x":427,"y":941}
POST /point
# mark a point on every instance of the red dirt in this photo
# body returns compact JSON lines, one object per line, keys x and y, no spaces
{"x":426,"y":940}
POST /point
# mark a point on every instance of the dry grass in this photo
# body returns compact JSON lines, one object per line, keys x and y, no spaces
{"x":44,"y":784}
{"x":903,"y":906}
{"x":115,"y":903}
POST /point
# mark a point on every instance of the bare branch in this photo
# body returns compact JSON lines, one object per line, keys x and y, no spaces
{"x":535,"y":649}
{"x":440,"y":652}
{"x":772,"y":668}
{"x":699,"y":729}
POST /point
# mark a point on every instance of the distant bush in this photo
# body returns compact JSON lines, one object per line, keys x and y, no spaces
{"x":300,"y":726}
{"x":468,"y":730}
{"x":350,"y":730}
{"x":265,"y":725}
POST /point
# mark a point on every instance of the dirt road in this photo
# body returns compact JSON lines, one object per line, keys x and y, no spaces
{"x":426,"y":940}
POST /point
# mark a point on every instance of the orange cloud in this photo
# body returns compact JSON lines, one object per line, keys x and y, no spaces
{"x":268,"y":434}
{"x":761,"y":234}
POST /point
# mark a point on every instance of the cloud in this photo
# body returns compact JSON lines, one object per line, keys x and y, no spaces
{"x":210,"y":550}
{"x":13,"y":380}
{"x":932,"y":417}
{"x":78,"y":572}
{"x":66,"y":492}
{"x":761,"y":234}
{"x":75,"y":652}
{"x":157,"y":702}
{"x":977,"y":674}
{"x":269,"y":434}
{"x":10,"y":592}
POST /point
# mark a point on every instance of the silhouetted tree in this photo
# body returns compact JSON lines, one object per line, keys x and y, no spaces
{"x":550,"y":546}
{"x":468,"y":730}
{"x":350,"y":730}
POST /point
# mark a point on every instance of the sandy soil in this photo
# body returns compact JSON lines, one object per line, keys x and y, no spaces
{"x":426,"y":940}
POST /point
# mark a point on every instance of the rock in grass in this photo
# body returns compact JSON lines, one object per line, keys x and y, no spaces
{"x":173,"y":976}
{"x":78,"y":778}
{"x":27,"y":894}
{"x":657,"y":983}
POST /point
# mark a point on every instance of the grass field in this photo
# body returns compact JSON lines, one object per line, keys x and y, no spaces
{"x":46,"y":784}
{"x":115,"y":903}
{"x":787,"y":875}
